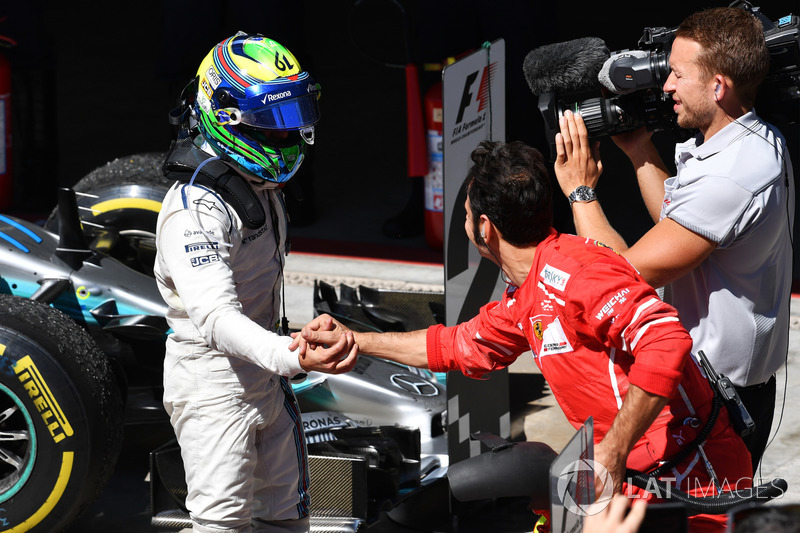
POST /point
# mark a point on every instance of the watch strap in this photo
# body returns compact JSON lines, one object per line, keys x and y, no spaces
{"x":582,"y":193}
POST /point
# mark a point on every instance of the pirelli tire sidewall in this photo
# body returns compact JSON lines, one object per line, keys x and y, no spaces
{"x":61,"y":389}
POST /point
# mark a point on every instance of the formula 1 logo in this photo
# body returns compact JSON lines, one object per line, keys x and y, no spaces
{"x":482,"y":94}
{"x":477,"y":97}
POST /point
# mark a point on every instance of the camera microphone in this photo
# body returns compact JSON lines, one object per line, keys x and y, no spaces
{"x":570,"y":66}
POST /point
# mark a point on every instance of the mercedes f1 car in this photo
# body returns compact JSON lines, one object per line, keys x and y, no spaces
{"x":82,"y":332}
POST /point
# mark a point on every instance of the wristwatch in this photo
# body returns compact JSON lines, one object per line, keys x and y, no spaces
{"x":582,"y":193}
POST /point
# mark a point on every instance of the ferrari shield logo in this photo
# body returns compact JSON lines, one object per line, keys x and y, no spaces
{"x":537,"y":329}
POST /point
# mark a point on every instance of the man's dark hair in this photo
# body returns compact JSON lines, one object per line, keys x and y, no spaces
{"x":509,"y":183}
{"x":733,"y":44}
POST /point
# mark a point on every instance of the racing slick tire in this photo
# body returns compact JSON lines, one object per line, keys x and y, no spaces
{"x":61,"y":418}
{"x":118,"y":205}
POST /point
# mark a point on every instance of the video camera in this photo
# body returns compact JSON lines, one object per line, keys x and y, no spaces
{"x":637,"y":76}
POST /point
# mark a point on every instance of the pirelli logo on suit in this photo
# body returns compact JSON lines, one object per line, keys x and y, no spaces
{"x":202,"y":260}
{"x":200,"y":246}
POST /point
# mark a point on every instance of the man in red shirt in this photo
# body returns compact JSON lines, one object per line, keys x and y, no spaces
{"x":607,"y":345}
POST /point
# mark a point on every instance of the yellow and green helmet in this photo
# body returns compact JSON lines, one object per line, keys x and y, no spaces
{"x":257,"y":106}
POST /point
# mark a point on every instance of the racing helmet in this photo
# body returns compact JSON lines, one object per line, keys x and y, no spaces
{"x":256,"y":106}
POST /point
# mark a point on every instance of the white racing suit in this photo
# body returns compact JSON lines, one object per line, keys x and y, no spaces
{"x":225,"y":372}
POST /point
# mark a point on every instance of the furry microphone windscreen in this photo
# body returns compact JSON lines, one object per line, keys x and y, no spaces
{"x":570,"y":66}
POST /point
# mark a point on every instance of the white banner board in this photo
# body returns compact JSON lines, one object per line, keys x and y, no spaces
{"x":473,"y":91}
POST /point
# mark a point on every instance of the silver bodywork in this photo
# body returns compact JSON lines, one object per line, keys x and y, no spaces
{"x":104,"y":294}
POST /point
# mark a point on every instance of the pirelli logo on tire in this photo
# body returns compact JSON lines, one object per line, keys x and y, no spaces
{"x":39,"y":393}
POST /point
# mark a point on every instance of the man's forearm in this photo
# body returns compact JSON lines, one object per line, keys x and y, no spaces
{"x":637,"y":413}
{"x":589,"y":218}
{"x":650,"y":173}
{"x":591,"y":222}
{"x":409,"y":348}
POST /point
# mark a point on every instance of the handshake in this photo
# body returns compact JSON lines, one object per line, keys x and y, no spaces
{"x":325,"y":345}
{"x":344,"y":345}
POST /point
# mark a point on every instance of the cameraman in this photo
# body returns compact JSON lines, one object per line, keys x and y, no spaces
{"x":721,"y":245}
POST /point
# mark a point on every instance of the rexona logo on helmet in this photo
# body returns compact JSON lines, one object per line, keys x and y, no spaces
{"x":257,"y":106}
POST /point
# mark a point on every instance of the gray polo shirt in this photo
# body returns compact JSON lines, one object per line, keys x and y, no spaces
{"x":736,"y":189}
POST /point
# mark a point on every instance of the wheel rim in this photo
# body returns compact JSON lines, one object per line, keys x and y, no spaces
{"x":17,"y":444}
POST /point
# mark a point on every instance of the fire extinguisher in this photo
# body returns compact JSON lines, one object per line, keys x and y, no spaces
{"x":427,"y":118}
{"x":6,"y":174}
{"x":434,"y":178}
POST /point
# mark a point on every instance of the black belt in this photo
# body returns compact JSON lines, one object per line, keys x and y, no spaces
{"x":756,"y":386}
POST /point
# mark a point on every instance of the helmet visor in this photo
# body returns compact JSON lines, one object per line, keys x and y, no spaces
{"x":282,"y":106}
{"x":269,"y":138}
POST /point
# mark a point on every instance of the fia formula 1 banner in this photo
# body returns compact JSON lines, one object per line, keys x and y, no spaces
{"x":473,"y":107}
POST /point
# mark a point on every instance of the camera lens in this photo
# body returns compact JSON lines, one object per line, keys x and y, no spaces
{"x":659,"y":66}
{"x":605,"y":117}
{"x":610,"y":116}
{"x":594,"y":115}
